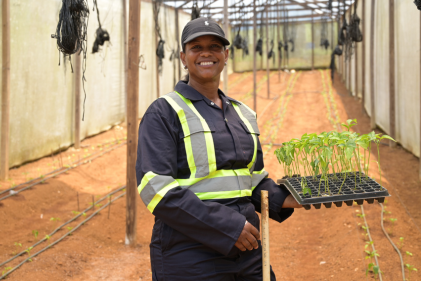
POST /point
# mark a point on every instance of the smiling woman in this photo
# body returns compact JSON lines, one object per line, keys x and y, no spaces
{"x":200,"y":171}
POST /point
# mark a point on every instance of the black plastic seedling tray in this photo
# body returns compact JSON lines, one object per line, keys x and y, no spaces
{"x":367,"y":189}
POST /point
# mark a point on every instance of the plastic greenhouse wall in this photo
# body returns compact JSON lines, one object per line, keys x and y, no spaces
{"x":407,"y":69}
{"x":42,"y":92}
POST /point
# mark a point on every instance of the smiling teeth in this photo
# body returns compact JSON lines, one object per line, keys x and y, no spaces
{"x":206,"y":63}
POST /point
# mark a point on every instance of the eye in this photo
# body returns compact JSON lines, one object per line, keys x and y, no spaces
{"x":196,"y":47}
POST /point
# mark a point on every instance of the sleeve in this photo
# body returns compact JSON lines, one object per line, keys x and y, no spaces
{"x":209,"y":223}
{"x":277,"y":193}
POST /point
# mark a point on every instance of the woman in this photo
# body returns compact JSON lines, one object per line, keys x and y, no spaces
{"x":200,"y":172}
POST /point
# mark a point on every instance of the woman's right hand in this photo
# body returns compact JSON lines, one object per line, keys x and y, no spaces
{"x":248,"y":238}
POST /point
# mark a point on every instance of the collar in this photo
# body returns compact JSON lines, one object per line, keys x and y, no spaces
{"x":190,"y":93}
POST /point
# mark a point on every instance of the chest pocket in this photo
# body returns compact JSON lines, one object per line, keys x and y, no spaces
{"x":196,"y":141}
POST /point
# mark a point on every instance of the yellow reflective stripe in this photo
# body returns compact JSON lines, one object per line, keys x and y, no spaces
{"x":186,"y":131}
{"x":210,"y":147}
{"x":215,"y":174}
{"x":248,"y":125}
{"x":146,"y":178}
{"x":157,"y":198}
{"x":223,"y":194}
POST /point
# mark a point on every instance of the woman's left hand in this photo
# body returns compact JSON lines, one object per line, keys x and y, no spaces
{"x":290,"y":202}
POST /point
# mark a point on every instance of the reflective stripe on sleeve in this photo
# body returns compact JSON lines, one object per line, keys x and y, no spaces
{"x":153,"y":188}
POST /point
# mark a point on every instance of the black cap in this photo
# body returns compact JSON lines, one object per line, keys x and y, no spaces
{"x":200,"y":27}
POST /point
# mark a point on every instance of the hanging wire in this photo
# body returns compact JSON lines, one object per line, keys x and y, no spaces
{"x":259,"y":45}
{"x":71,"y":34}
{"x":195,"y":11}
{"x":324,"y":42}
{"x":101,"y":35}
{"x":160,"y":52}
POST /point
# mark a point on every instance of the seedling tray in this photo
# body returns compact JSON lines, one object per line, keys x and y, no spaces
{"x":365,"y":190}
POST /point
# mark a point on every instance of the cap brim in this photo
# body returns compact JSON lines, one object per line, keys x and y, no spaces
{"x":198,"y":34}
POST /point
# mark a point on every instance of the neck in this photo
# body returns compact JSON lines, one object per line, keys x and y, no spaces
{"x":208,"y":88}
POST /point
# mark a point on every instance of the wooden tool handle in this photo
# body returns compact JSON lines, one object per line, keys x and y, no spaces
{"x":265,"y":235}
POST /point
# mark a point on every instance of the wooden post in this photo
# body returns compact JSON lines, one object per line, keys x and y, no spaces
{"x":372,"y":96}
{"x":312,"y":40}
{"x":78,"y":80}
{"x":420,"y":101}
{"x":356,"y":70}
{"x":392,"y":103}
{"x":156,"y":64}
{"x":254,"y":56}
{"x":125,"y":55}
{"x":363,"y":59}
{"x":265,"y":235}
{"x":278,"y":27}
{"x":5,"y":91}
{"x":226,"y":34}
{"x":177,"y":36}
{"x":267,"y":52}
{"x":132,"y":117}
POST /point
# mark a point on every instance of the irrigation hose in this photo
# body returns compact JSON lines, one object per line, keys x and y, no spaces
{"x":329,"y":102}
{"x":371,"y":240}
{"x":61,"y":172}
{"x":56,"y":170}
{"x":61,"y":238}
{"x":64,"y":224}
{"x":393,"y":244}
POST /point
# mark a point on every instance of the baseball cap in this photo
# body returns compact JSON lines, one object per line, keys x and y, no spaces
{"x":200,"y":27}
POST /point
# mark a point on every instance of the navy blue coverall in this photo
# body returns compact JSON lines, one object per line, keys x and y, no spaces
{"x":194,"y":239}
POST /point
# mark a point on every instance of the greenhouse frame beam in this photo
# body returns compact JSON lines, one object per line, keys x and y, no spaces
{"x":5,"y":92}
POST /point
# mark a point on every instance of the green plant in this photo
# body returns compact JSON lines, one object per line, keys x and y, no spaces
{"x":329,"y":156}
{"x":29,"y":252}
{"x":55,"y":220}
{"x":401,"y":243}
{"x":75,"y":213}
{"x":35,"y":233}
{"x":372,"y":266}
{"x":393,"y":224}
{"x":361,"y":216}
{"x":6,"y":269}
{"x":47,"y":237}
{"x":17,"y":245}
{"x":410,"y":268}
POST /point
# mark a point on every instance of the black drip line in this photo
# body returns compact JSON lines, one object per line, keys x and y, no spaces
{"x":418,"y":4}
{"x":160,"y":52}
{"x":101,"y":35}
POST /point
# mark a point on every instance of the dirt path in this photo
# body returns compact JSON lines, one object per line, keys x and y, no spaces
{"x":325,"y":244}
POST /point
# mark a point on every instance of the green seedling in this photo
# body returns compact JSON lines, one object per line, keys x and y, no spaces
{"x":35,"y":233}
{"x":6,"y":269}
{"x":393,"y":224}
{"x":401,"y":243}
{"x":410,"y":269}
{"x":17,"y":245}
{"x":13,"y":185}
{"x":361,"y":216}
{"x":75,"y":213}
{"x":84,"y":214}
{"x":55,"y":220}
{"x":372,"y":266}
{"x":69,"y":228}
{"x":330,"y":156}
{"x":47,"y":237}
{"x":29,"y":252}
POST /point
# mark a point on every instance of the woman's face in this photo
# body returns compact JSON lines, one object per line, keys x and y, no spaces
{"x":205,"y":58}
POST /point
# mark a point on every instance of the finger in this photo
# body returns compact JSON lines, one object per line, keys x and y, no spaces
{"x":247,"y":244}
{"x":240,"y":246}
{"x":252,"y":241}
{"x":253,"y":231}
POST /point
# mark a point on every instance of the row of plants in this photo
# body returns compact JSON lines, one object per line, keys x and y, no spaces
{"x":330,"y":157}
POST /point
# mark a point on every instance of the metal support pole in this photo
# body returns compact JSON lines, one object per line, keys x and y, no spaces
{"x":265,"y":235}
{"x":125,"y":55}
{"x":267,"y":52}
{"x":312,"y":40}
{"x":77,"y":81}
{"x":5,"y":91}
{"x":177,"y":36}
{"x":420,"y":101}
{"x":278,"y":27}
{"x":132,"y":121}
{"x":363,"y":59}
{"x":226,"y":34}
{"x":392,"y":103}
{"x":372,"y":96}
{"x":254,"y":56}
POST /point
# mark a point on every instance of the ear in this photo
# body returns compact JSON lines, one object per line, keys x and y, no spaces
{"x":226,"y":52}
{"x":183,"y":58}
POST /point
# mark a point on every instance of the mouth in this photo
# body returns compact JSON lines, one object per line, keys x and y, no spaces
{"x":206,"y":63}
